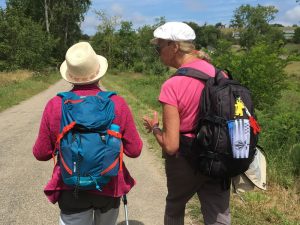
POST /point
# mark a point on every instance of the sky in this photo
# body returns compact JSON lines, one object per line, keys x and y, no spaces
{"x":141,"y":12}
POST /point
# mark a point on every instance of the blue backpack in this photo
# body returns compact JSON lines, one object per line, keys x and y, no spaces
{"x":89,"y":151}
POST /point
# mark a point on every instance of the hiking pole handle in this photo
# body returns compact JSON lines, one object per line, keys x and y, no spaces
{"x":124,"y":199}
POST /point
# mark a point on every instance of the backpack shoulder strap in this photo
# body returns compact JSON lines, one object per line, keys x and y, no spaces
{"x":106,"y":94}
{"x":200,"y":75}
{"x":68,"y":95}
{"x":191,"y":72}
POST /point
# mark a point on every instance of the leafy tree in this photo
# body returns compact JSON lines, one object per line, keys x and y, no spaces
{"x":276,"y":25}
{"x":219,"y":25}
{"x":206,"y":35}
{"x":148,"y":60}
{"x":105,"y":41}
{"x":297,"y":35}
{"x":198,"y":32}
{"x":126,"y":44}
{"x":259,"y":68}
{"x":275,"y":35}
{"x":253,"y":23}
{"x":23,"y":43}
{"x":60,"y":18}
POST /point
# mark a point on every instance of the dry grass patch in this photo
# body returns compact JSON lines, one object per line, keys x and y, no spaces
{"x":19,"y":85}
{"x":7,"y":78}
{"x":293,"y":68}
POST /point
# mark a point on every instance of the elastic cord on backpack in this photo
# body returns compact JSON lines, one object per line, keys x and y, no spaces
{"x":78,"y":177}
{"x":65,"y":130}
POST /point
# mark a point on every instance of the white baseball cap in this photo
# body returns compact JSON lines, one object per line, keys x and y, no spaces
{"x":174,"y":31}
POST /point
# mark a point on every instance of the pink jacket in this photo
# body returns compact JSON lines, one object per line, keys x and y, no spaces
{"x":49,"y":129}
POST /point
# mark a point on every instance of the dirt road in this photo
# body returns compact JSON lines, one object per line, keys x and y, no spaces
{"x":22,"y":178}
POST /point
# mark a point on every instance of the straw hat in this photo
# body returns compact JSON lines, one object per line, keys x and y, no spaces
{"x":83,"y":65}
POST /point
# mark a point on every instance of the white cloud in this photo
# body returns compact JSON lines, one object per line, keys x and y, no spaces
{"x":138,"y":18}
{"x":293,"y":15}
{"x":117,"y":9}
{"x":90,"y":23}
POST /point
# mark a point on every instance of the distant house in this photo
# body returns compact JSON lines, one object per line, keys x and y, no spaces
{"x":288,"y":34}
{"x":236,"y":35}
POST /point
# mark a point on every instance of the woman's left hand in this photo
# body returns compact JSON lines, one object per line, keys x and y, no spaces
{"x":149,"y":123}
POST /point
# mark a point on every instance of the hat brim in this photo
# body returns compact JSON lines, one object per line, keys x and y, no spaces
{"x":257,"y":171}
{"x":103,"y":68}
{"x":154,"y":41}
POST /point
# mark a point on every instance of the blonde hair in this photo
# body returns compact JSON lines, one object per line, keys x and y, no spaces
{"x":188,"y":47}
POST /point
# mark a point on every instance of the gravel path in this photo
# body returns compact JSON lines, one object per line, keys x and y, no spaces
{"x":23,"y":178}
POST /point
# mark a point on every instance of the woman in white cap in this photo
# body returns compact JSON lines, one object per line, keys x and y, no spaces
{"x":180,"y":97}
{"x":83,"y":68}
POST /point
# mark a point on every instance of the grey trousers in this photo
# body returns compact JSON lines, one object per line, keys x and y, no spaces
{"x":87,"y":209}
{"x":90,"y":217}
{"x":183,"y":183}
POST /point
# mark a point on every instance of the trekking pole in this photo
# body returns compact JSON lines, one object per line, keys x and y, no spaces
{"x":124,"y":199}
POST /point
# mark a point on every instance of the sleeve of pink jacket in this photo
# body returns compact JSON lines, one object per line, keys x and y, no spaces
{"x":45,"y":142}
{"x":131,"y":139}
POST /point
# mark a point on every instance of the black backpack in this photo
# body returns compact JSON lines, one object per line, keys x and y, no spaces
{"x":211,"y":150}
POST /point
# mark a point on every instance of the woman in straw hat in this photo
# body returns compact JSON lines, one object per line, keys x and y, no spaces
{"x":83,"y":68}
{"x":180,"y":97}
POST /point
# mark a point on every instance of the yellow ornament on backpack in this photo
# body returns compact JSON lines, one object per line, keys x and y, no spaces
{"x":239,"y":107}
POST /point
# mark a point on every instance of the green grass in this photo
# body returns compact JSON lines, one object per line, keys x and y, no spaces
{"x":14,"y":89}
{"x":141,"y":93}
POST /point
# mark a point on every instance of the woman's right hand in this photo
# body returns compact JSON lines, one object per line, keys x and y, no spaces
{"x":150,"y":123}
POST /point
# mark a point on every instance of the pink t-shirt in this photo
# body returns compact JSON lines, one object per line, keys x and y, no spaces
{"x":184,"y":93}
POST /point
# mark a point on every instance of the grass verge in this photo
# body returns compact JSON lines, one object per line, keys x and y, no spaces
{"x":20,"y":85}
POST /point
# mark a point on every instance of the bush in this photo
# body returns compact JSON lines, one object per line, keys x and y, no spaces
{"x":156,"y":68}
{"x":281,"y":137}
{"x":23,"y":43}
{"x":260,"y":69}
{"x":139,"y":67}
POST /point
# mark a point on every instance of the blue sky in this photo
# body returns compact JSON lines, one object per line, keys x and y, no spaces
{"x":200,"y":11}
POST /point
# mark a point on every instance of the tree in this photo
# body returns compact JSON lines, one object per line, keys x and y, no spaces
{"x":219,"y":25}
{"x":198,"y":31}
{"x":126,"y":44}
{"x":260,"y":69}
{"x":23,"y":43}
{"x":276,"y":25}
{"x":253,"y":22}
{"x":104,"y":41}
{"x":206,"y":35}
{"x":60,"y":18}
{"x":297,"y":35}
